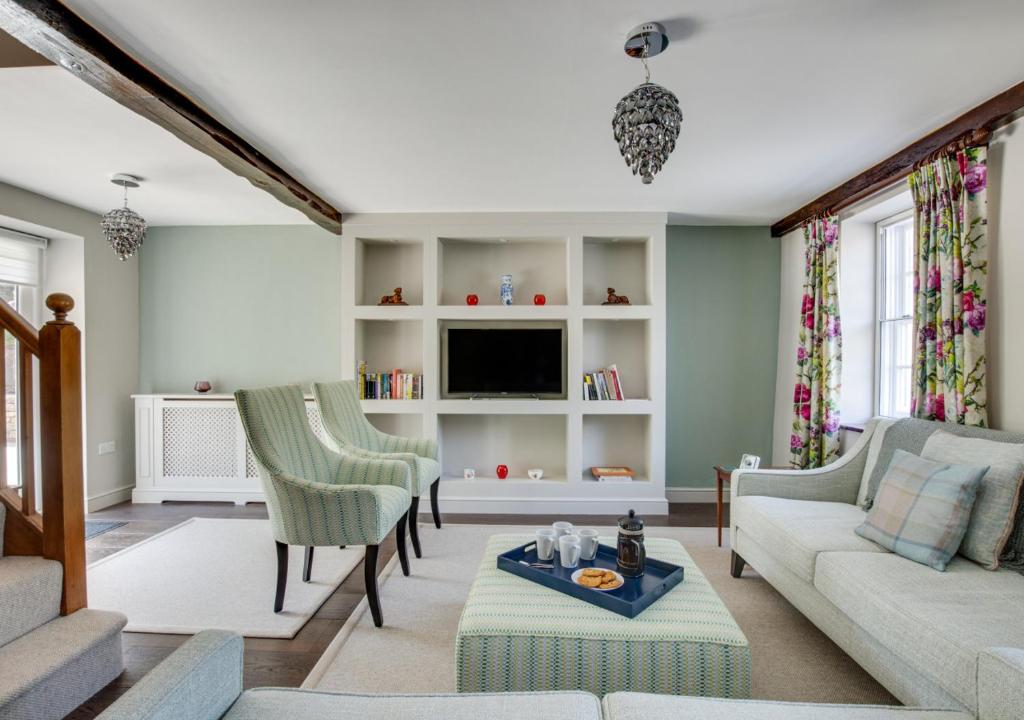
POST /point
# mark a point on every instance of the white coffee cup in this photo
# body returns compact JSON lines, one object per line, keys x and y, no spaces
{"x":469,"y":473}
{"x":535,"y":473}
{"x":588,"y":543}
{"x":547,"y":538}
{"x":562,"y":527}
{"x":569,"y":550}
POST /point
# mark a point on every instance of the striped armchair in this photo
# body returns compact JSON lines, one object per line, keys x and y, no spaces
{"x":352,"y":433}
{"x":316,"y":497}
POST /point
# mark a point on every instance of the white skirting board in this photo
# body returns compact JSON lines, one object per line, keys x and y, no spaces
{"x":694,"y":495}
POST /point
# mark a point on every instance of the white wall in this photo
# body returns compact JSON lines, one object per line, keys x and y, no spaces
{"x":107,"y":312}
{"x":857,"y":287}
{"x":1006,"y":291}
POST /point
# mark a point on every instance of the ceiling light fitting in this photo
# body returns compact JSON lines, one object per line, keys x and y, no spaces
{"x":124,"y":228}
{"x":647,"y":120}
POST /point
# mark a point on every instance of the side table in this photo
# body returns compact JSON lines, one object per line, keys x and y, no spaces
{"x":723,"y":476}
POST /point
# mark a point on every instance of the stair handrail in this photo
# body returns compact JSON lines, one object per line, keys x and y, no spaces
{"x":58,"y":533}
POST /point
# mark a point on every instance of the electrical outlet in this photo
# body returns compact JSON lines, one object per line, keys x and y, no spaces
{"x":108,"y":447}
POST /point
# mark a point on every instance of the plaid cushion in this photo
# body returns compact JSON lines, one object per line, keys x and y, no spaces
{"x":922,"y":508}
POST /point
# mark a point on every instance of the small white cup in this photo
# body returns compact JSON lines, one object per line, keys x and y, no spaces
{"x":547,"y":538}
{"x":535,"y":473}
{"x":588,"y":543}
{"x":562,"y":527}
{"x":469,"y":473}
{"x":569,"y":550}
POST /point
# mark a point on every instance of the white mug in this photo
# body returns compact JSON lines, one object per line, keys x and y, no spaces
{"x":588,"y":543}
{"x":562,"y":527}
{"x":535,"y":473}
{"x":469,"y":473}
{"x":546,"y":540}
{"x":569,"y":550}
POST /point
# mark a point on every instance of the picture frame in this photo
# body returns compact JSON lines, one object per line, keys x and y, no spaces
{"x":750,"y":462}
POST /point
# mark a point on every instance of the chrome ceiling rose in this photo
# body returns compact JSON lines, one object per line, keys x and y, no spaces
{"x":647,"y":121}
{"x":646,"y":40}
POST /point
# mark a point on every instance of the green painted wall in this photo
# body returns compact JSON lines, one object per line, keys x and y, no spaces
{"x":723,"y":318}
{"x":239,"y":306}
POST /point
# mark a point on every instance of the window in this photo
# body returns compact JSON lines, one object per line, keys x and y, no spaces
{"x":894,"y":334}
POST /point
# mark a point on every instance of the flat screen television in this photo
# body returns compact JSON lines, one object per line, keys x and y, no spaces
{"x":503,"y":360}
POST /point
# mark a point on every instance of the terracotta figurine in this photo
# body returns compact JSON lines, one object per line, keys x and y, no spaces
{"x":614,"y":299}
{"x":395,"y":299}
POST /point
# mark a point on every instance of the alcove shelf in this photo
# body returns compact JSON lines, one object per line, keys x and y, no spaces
{"x":572,"y":259}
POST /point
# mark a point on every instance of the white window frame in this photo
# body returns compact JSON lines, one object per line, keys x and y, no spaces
{"x":880,"y":228}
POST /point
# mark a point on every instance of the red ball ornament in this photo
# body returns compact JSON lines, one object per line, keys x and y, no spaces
{"x":502,"y":471}
{"x":472,"y":299}
{"x":539,"y":299}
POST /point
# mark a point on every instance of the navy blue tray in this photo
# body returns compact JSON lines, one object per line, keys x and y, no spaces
{"x":635,"y":595}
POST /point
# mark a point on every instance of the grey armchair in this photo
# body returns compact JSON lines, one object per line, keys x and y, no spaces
{"x":347,"y":426}
{"x":316,"y":497}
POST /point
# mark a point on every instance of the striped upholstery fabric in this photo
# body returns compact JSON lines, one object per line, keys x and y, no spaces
{"x":347,"y":426}
{"x":922,"y":508}
{"x":315,"y":496}
{"x":516,"y":635}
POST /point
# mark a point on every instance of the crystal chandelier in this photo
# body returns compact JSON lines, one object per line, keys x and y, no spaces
{"x":124,"y":228}
{"x":647,"y":120}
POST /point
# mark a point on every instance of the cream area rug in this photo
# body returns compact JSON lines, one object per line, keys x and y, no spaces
{"x":215,"y":573}
{"x":415,"y":650}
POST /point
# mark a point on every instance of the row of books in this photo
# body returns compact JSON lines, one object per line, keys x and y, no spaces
{"x":603,"y":384}
{"x":390,"y":385}
{"x":612,"y":474}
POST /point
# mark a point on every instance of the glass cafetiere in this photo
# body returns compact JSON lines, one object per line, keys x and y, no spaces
{"x":632,"y":556}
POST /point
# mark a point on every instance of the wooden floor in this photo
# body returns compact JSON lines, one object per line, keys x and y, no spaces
{"x":285,"y":663}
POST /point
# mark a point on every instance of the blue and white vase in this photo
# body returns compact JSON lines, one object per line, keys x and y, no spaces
{"x":506,"y":289}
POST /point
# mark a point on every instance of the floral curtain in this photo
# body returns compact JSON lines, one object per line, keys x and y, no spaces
{"x":815,"y":438}
{"x":949,"y":282}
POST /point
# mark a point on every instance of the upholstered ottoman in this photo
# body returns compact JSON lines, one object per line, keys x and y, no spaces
{"x":516,"y":635}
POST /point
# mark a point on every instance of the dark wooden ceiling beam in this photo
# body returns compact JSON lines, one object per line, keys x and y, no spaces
{"x":990,"y":115}
{"x":52,"y":30}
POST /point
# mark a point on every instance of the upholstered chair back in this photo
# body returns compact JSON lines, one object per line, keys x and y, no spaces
{"x":343,"y":417}
{"x":278,"y":430}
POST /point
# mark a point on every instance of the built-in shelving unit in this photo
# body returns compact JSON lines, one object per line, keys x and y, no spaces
{"x":570,"y":258}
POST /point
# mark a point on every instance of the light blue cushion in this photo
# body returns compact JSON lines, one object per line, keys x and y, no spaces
{"x":922,"y":508}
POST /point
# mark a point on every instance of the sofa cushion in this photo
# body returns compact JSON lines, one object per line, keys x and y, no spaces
{"x":922,"y":508}
{"x":935,"y":622}
{"x":640,"y":706}
{"x":797,"y":530}
{"x":294,"y":704}
{"x":995,"y":508}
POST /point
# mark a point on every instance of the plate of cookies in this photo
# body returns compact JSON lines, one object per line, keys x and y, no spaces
{"x":598,"y":579}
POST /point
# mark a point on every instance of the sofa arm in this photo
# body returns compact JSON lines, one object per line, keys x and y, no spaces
{"x":836,"y":482}
{"x":1001,"y":684}
{"x":199,"y":681}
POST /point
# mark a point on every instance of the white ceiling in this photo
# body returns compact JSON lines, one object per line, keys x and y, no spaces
{"x":490,"y":105}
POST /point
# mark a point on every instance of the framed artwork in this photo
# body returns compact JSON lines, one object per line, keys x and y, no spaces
{"x":750,"y":462}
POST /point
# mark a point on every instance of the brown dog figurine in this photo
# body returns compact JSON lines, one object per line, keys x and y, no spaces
{"x":395,"y":299}
{"x":614,"y":299}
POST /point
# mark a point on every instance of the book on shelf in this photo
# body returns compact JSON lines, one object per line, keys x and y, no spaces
{"x":612,"y":474}
{"x":603,"y":384}
{"x":389,"y":384}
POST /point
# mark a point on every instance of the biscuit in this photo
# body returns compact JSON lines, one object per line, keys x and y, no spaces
{"x":614,"y":583}
{"x":594,"y":572}
{"x":589,"y":581}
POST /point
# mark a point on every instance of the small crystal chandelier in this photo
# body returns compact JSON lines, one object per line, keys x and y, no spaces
{"x":124,"y":228}
{"x":647,"y":120}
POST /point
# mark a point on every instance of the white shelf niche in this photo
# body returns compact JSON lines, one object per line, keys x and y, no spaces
{"x":616,"y":262}
{"x":389,"y":344}
{"x":623,"y":343}
{"x":404,"y":424}
{"x":617,"y":441}
{"x":521,"y":442}
{"x":475,"y":265}
{"x":383,"y":264}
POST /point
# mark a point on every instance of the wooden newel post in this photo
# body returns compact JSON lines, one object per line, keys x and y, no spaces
{"x":60,"y":419}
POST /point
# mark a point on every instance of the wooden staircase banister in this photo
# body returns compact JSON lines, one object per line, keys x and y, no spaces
{"x":58,"y":533}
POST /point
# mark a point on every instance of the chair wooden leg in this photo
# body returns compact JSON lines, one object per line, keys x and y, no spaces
{"x":433,"y":503}
{"x":414,"y":530}
{"x":307,"y":566}
{"x":341,"y":547}
{"x":737,"y":565}
{"x":370,"y":576}
{"x":403,"y":556}
{"x":282,"y":575}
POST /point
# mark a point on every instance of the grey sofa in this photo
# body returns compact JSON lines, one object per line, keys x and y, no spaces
{"x":202,"y":680}
{"x":938,"y":639}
